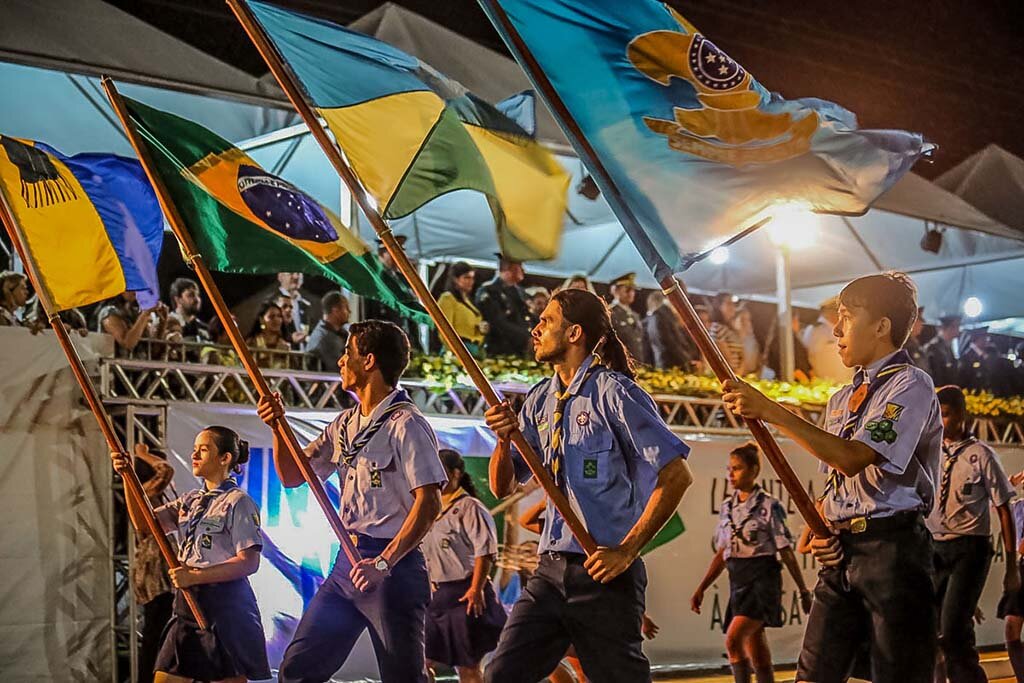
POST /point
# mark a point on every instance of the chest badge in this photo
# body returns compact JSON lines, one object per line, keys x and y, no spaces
{"x":583,"y":419}
{"x":206,"y":541}
{"x":445,"y":544}
{"x":376,"y":482}
{"x":590,"y":468}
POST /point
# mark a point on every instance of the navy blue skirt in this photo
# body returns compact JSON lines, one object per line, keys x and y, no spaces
{"x":1011,"y":604}
{"x":456,"y":638}
{"x":234,"y":645}
{"x":755,"y":590}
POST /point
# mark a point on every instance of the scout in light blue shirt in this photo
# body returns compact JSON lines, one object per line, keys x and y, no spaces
{"x":623,"y":472}
{"x":376,"y":487}
{"x":901,"y":423}
{"x":615,"y":444}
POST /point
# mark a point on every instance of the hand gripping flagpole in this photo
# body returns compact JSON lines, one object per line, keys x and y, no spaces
{"x":134,"y":492}
{"x":669,"y":284}
{"x":282,"y":430}
{"x":444,"y":327}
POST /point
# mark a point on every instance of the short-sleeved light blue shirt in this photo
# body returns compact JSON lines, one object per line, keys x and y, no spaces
{"x":903,"y":425}
{"x":760,"y":523}
{"x":376,"y":491}
{"x":230,"y":524}
{"x":614,"y":445}
{"x":463,"y":532}
{"x":977,"y":483}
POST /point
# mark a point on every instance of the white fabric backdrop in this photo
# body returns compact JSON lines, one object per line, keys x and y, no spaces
{"x":56,"y":583}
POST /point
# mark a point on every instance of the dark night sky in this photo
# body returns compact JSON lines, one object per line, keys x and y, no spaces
{"x":950,"y":69}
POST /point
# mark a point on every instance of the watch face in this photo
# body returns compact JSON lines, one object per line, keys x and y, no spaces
{"x":381,"y":565}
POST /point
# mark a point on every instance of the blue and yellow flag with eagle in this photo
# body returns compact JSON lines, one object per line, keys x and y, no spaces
{"x":91,"y":223}
{"x":695,"y":148}
{"x":411,"y":134}
{"x":247,"y":220}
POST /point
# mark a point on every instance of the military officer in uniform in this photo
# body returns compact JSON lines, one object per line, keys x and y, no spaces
{"x":627,"y":322}
{"x":502,"y":302}
{"x":385,"y":454}
{"x":881,"y":446}
{"x":942,"y":362}
{"x":377,"y":310}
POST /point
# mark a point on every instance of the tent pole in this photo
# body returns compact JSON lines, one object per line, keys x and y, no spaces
{"x":784,"y":314}
{"x":444,"y":326}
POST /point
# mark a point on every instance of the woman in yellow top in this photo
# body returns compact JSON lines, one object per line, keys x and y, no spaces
{"x":267,"y":339}
{"x":457,"y":304}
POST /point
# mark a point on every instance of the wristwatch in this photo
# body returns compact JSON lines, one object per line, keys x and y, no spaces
{"x":381,"y":565}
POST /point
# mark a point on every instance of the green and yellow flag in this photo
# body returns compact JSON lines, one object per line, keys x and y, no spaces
{"x":412,"y":134}
{"x":247,"y":220}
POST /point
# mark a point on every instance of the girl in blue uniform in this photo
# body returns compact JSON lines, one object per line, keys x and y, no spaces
{"x":464,"y":617}
{"x":1011,"y":605}
{"x":751,"y":533}
{"x":219,"y":544}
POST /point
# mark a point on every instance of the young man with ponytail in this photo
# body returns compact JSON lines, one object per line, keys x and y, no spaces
{"x":605,"y":445}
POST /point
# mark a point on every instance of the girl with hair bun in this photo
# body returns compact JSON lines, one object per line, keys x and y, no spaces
{"x":219,"y":544}
{"x":751,"y":533}
{"x":464,"y":617}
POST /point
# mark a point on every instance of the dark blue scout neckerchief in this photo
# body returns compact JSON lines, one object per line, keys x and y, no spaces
{"x":198,"y":510}
{"x":348,"y":451}
{"x":757,"y":494}
{"x":555,"y":461}
{"x":859,"y":399}
{"x":947,"y":470}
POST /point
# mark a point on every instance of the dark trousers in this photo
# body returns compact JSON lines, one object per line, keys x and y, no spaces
{"x":961,"y":568}
{"x":333,"y":622}
{"x":883,"y":595}
{"x":562,"y":606}
{"x":155,"y":615}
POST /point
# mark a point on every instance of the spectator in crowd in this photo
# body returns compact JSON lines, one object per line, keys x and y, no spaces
{"x":150,"y":584}
{"x":290,"y":285}
{"x":456,"y":303}
{"x":984,"y":368}
{"x":72,"y":318}
{"x":305,"y":305}
{"x":295,"y":337}
{"x":13,"y":295}
{"x":220,"y":352}
{"x":802,"y":370}
{"x":942,"y":361}
{"x":502,"y":302}
{"x":577,"y":281}
{"x":266,"y":338}
{"x":704,"y":313}
{"x":820,"y":344}
{"x":537,"y":299}
{"x":670,"y":345}
{"x":187,"y":302}
{"x":625,"y":321}
{"x":723,"y":311}
{"x":328,"y":338}
{"x":121,"y":318}
{"x":743,"y":323}
{"x":914,"y":347}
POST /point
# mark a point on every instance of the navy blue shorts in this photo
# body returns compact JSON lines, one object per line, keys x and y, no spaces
{"x":755,"y":590}
{"x":234,"y":645}
{"x":456,"y":638}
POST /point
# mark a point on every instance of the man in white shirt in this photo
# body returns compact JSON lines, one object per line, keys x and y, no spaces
{"x":821,"y":345}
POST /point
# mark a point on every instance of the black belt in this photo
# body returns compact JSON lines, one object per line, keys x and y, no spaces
{"x":559,"y":556}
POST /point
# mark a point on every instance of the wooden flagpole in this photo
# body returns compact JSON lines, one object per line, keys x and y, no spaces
{"x":282,"y":430}
{"x":444,"y":327}
{"x":669,"y":285}
{"x":132,"y":486}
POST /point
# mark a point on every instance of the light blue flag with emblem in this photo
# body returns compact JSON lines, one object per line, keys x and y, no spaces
{"x":695,"y":149}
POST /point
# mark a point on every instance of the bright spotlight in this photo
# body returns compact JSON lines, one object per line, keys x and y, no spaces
{"x":719,"y":255}
{"x":973,"y":307}
{"x":793,"y":226}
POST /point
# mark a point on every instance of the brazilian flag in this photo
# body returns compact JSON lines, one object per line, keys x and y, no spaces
{"x":247,"y":220}
{"x":412,"y":134}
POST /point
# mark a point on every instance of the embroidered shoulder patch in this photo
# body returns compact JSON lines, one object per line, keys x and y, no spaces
{"x":892,"y":412}
{"x":881,"y":431}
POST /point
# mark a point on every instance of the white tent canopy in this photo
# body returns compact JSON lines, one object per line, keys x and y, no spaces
{"x":992,"y":181}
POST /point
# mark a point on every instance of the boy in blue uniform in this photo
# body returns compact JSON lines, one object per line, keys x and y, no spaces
{"x":390,"y":475}
{"x":624,"y":472}
{"x":881,"y":447}
{"x":971,"y":483}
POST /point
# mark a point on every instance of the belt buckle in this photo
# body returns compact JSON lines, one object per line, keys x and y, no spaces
{"x":858,"y":525}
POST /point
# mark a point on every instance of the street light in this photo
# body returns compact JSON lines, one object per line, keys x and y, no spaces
{"x":793,"y":226}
